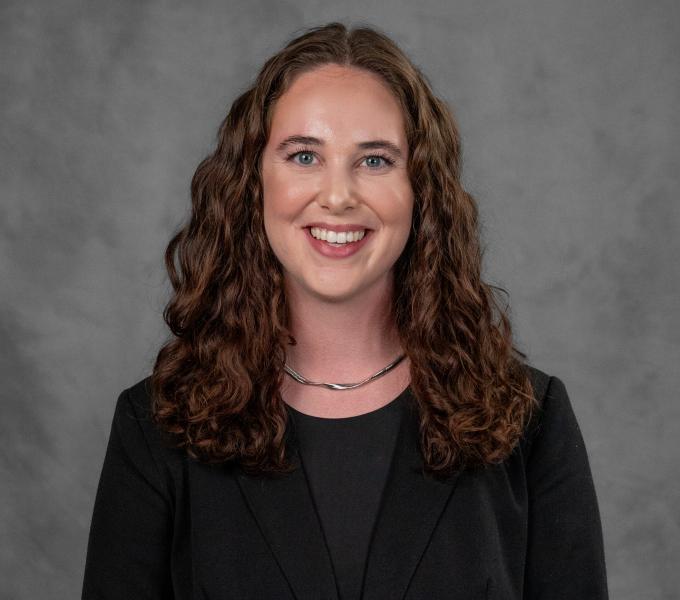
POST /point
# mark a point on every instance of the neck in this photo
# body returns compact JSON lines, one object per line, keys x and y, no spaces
{"x":342,"y":342}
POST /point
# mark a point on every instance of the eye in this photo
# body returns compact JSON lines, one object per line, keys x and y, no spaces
{"x":304,"y":153}
{"x":307,"y":156}
{"x":387,"y":159}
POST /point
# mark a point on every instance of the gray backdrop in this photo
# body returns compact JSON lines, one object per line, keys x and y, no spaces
{"x":569,"y":117}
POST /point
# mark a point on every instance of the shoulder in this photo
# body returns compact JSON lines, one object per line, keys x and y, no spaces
{"x":139,"y":396}
{"x":553,"y":422}
{"x":548,"y":390}
{"x":133,"y":407}
{"x":539,"y":381}
{"x":133,"y":422}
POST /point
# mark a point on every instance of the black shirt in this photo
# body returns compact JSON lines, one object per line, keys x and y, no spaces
{"x":346,"y":461}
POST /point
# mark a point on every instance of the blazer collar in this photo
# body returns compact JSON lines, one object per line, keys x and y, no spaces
{"x":410,"y":508}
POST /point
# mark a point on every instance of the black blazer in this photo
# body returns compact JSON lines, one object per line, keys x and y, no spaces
{"x":166,"y":526}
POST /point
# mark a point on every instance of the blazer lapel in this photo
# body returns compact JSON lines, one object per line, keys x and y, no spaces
{"x":411,"y":506}
{"x":284,"y":509}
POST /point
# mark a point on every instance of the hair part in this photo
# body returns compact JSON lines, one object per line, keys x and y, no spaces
{"x":216,"y":381}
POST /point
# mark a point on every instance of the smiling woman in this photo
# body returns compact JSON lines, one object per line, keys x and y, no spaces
{"x":337,"y":118}
{"x":340,"y":411}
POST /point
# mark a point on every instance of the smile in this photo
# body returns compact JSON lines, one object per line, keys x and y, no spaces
{"x":335,"y":250}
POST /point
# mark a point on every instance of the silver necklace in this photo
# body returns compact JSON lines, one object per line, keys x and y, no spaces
{"x":343,"y":386}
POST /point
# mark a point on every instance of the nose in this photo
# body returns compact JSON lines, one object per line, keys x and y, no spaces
{"x":338,"y":193}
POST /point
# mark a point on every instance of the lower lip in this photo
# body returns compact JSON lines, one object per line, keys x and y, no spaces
{"x":336,"y":251}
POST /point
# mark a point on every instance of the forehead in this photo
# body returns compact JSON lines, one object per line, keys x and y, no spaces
{"x":338,"y":102}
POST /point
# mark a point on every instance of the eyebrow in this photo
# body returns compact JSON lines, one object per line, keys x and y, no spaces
{"x":313,"y":141}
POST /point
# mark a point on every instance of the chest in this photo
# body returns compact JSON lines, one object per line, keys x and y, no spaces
{"x":253,"y":538}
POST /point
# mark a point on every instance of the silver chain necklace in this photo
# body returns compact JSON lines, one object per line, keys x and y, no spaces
{"x":343,"y":386}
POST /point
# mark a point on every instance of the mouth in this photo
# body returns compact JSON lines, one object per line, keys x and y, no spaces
{"x":366,"y":231}
{"x":337,"y":250}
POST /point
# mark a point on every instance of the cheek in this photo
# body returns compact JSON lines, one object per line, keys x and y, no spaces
{"x":403,"y":219}
{"x":395,"y":205}
{"x":284,"y":198}
{"x":279,"y":228}
{"x":393,"y":188}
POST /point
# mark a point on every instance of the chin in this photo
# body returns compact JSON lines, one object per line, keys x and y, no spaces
{"x":338,"y":293}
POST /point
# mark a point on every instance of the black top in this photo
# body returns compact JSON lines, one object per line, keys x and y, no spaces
{"x":167,"y":526}
{"x":346,"y":461}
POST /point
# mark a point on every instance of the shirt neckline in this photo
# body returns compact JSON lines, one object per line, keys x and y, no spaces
{"x":353,"y":418}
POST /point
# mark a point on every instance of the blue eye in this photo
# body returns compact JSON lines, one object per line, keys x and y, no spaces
{"x":310,"y":153}
{"x":303,"y":153}
{"x":380,"y":156}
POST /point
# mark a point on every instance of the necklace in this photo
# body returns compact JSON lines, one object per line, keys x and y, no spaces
{"x":343,"y":386}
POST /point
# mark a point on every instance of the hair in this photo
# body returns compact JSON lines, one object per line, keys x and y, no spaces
{"x":215,"y":383}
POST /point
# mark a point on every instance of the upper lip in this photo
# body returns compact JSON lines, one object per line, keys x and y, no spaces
{"x":331,"y":227}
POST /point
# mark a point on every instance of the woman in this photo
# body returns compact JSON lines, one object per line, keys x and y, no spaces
{"x":341,"y":412}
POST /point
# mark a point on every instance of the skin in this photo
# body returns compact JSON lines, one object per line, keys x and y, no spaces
{"x":340,"y":308}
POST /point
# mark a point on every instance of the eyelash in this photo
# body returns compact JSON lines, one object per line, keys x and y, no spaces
{"x":387,"y":159}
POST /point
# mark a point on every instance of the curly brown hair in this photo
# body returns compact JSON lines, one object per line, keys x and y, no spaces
{"x":215,"y":383}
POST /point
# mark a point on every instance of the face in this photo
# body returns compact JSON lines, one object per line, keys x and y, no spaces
{"x":338,"y":178}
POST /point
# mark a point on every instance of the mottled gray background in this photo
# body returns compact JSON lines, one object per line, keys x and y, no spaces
{"x":569,"y":114}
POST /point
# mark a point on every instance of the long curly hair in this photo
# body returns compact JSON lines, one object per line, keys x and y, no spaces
{"x":215,"y":383}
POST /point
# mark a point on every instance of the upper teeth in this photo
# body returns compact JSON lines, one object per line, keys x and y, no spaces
{"x":337,"y":237}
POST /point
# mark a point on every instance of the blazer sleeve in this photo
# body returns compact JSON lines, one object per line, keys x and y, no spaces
{"x":565,"y":555}
{"x":131,"y":529}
